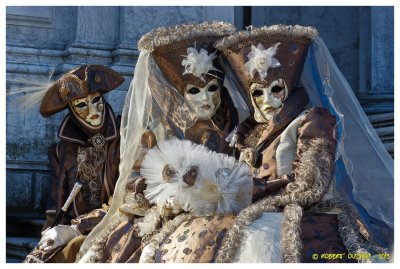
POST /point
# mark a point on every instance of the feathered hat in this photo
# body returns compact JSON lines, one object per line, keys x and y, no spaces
{"x":184,"y":53}
{"x":78,"y":83}
{"x":262,"y":55}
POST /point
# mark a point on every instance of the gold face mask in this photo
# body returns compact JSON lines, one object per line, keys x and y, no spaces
{"x":266,"y":100}
{"x":89,"y":110}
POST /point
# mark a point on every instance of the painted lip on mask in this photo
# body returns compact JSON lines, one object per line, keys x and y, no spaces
{"x":268,"y":109}
{"x":94,"y":117}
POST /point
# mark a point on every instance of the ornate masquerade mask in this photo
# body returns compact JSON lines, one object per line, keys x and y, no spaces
{"x":206,"y":99}
{"x":266,"y":100}
{"x":89,"y":110}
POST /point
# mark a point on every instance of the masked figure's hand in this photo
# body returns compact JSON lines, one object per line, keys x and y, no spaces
{"x":57,"y":236}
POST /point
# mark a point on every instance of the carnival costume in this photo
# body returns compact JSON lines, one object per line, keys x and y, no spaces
{"x":84,"y":164}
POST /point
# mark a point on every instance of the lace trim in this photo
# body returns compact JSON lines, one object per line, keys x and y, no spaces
{"x":163,"y":36}
{"x":254,"y":135}
{"x":296,"y":32}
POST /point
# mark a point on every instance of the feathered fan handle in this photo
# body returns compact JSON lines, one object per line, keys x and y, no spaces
{"x":32,"y":90}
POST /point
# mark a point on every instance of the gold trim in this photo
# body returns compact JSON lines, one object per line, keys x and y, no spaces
{"x":164,"y":36}
{"x":295,"y":33}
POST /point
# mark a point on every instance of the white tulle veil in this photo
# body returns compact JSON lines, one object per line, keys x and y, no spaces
{"x":363,"y":167}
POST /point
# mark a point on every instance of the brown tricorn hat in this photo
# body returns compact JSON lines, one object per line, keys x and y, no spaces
{"x":78,"y":83}
{"x":287,"y":44}
{"x":170,"y":46}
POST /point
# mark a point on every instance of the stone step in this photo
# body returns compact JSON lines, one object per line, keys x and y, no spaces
{"x":387,"y":131}
{"x":22,"y":242}
{"x":24,"y":225}
{"x":18,"y":247}
{"x":382,"y":119}
{"x":13,"y":260}
{"x":384,"y":126}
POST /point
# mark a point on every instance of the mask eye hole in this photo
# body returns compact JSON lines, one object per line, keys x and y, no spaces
{"x":257,"y":93}
{"x":168,"y":173}
{"x":96,"y":99}
{"x":193,"y":90}
{"x":276,"y":89}
{"x":190,"y":177}
{"x":213,"y":88}
{"x":81,"y":105}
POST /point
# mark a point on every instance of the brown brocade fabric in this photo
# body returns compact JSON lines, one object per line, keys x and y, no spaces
{"x":122,"y":244}
{"x":39,"y":256}
{"x":320,"y":235}
{"x":63,"y":163}
{"x":317,"y":123}
{"x":195,"y":241}
{"x":86,"y":222}
{"x":198,"y":240}
{"x":64,"y":168}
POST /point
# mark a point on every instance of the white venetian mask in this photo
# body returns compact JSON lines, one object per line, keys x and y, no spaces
{"x":89,"y":109}
{"x":206,"y":100}
{"x":266,"y":100}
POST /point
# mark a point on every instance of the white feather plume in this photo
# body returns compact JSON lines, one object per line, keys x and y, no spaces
{"x":222,"y":186}
{"x":178,"y":154}
{"x":260,"y":60}
{"x":198,"y":63}
{"x":30,"y":92}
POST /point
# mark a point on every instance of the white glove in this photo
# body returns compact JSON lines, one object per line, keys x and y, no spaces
{"x":57,"y":236}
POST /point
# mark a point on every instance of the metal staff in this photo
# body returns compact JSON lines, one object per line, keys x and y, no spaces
{"x":77,"y":187}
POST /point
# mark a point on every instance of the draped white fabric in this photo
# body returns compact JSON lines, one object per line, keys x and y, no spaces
{"x":369,"y":167}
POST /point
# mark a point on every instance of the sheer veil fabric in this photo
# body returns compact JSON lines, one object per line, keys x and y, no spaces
{"x":363,"y":168}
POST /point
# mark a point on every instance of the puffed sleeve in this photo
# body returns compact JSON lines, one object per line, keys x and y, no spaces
{"x":86,"y":222}
{"x":317,"y":123}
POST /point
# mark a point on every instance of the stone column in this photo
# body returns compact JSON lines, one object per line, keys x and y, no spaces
{"x":382,"y":60}
{"x":95,"y":36}
{"x":376,"y":56}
